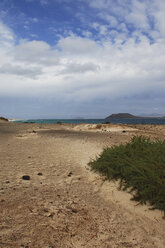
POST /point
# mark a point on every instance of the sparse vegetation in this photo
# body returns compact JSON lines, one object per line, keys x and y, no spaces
{"x":98,"y":126}
{"x":140,"y":167}
{"x":59,"y":122}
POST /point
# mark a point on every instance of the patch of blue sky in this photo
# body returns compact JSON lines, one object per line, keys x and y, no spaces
{"x":31,"y":20}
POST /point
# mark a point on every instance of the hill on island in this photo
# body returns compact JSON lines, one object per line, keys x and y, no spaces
{"x":122,"y":116}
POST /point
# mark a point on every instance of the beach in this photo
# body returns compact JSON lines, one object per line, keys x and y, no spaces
{"x":62,"y":203}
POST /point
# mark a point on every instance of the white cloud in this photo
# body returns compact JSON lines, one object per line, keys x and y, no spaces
{"x":72,"y":68}
{"x":158,"y":11}
{"x":146,"y":16}
{"x":30,"y":72}
{"x":102,"y":70}
{"x":99,"y":4}
{"x":76,"y":45}
{"x":138,"y":15}
{"x":44,"y":2}
{"x":34,"y":19}
{"x":36,"y":52}
{"x":6,"y":36}
{"x":112,"y":20}
{"x":87,"y":34}
{"x":101,"y":29}
{"x":82,"y":69}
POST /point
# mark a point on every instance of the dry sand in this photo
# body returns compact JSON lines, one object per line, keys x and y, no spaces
{"x":64,"y":204}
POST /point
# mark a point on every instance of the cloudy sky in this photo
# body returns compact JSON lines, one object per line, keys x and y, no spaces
{"x":81,"y":58}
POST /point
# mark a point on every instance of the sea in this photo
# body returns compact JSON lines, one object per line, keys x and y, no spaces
{"x":158,"y":121}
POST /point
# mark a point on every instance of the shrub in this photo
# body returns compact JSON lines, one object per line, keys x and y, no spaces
{"x":140,"y":167}
{"x":98,"y":126}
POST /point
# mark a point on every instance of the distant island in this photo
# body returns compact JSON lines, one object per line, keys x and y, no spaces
{"x":128,"y":116}
{"x":122,"y":116}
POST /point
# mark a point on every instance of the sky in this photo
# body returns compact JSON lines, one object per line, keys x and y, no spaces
{"x":81,"y":58}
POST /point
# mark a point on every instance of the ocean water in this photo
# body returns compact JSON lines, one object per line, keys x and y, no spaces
{"x":75,"y":121}
{"x":160,"y":121}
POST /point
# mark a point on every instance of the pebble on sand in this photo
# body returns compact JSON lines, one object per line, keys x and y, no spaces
{"x":26,"y":177}
{"x":70,"y":174}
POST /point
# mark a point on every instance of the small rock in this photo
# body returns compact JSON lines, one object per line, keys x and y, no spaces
{"x":70,"y":174}
{"x":7,"y":181}
{"x":26,"y":177}
{"x":39,"y":174}
{"x":34,"y":131}
{"x":74,"y":210}
{"x":124,"y":131}
{"x":51,"y":215}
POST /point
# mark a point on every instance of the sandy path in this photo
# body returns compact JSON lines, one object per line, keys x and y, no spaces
{"x":68,"y":205}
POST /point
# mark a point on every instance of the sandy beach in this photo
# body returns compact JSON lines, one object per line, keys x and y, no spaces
{"x":65,"y":204}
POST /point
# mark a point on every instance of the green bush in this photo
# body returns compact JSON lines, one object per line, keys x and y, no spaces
{"x":140,"y":166}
